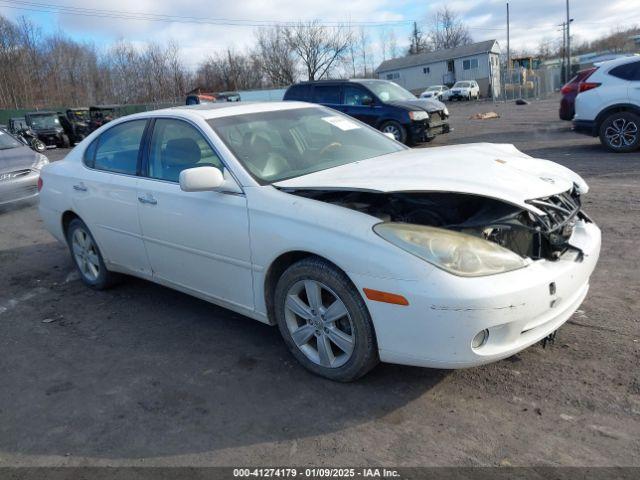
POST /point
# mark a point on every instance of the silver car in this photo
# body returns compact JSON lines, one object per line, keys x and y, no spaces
{"x":19,"y":169}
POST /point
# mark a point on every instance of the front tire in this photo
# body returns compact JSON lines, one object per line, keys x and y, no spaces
{"x":324,"y":321}
{"x":38,"y":145}
{"x":398,"y":131}
{"x":87,"y":257}
{"x":620,"y":132}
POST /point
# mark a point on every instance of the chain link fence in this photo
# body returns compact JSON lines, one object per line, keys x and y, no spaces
{"x":528,"y":84}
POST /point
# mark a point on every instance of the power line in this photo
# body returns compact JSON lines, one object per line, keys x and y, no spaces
{"x":142,"y":16}
{"x":154,"y":17}
{"x":130,"y":15}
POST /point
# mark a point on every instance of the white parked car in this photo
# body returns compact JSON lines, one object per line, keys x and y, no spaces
{"x":608,"y":104}
{"x":464,"y":90}
{"x":358,"y":248}
{"x":435,"y":91}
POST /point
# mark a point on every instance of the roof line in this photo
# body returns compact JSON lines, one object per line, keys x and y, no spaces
{"x":438,"y":56}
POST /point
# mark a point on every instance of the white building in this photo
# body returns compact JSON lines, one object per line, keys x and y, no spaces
{"x":477,"y":61}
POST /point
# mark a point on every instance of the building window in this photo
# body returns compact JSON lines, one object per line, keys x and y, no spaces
{"x":426,"y":70}
{"x":470,"y":64}
{"x":393,"y":76}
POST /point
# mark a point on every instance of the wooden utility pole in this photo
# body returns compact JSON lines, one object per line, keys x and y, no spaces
{"x":568,"y":44}
{"x":564,"y":70}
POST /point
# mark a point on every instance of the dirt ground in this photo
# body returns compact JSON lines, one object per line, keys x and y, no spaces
{"x":143,"y":375}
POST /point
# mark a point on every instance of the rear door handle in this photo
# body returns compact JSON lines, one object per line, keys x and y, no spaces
{"x":147,"y":199}
{"x":80,"y":187}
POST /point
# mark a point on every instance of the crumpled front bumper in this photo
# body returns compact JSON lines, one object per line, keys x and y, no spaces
{"x":426,"y":130}
{"x":446,"y":312}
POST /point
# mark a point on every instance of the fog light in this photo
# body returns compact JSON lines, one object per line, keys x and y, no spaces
{"x":480,"y":339}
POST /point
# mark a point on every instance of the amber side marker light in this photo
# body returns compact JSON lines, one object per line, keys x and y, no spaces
{"x":386,"y":297}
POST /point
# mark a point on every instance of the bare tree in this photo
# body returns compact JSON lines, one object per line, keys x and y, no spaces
{"x":383,"y":39}
{"x":393,"y":45}
{"x":318,"y":47}
{"x":363,"y":47}
{"x":231,"y":71}
{"x":417,"y":41}
{"x":277,"y":55}
{"x":353,"y":59}
{"x":448,"y":30}
{"x":546,"y":48}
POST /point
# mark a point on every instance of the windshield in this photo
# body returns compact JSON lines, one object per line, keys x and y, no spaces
{"x":431,"y":89}
{"x":388,"y":91}
{"x":7,"y":141}
{"x":278,"y":145}
{"x":44,"y":121}
{"x":461,"y":85}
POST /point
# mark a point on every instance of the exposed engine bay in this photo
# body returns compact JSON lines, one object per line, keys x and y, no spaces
{"x":526,"y":232}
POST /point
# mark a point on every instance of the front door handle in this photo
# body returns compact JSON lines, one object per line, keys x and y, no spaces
{"x":147,"y":199}
{"x":80,"y":187}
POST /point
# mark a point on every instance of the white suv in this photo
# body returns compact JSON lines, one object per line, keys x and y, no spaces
{"x":608,"y":104}
{"x":465,"y":90}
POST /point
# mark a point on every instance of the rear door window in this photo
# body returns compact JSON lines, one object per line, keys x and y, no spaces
{"x":327,"y":94}
{"x":298,"y":92}
{"x":118,"y":148}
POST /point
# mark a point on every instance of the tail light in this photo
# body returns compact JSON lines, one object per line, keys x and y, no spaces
{"x":569,"y":87}
{"x":583,"y":86}
{"x":39,"y":183}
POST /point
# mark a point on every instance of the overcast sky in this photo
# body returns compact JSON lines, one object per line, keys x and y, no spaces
{"x":531,"y":21}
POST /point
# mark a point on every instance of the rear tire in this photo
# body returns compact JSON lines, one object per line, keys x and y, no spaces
{"x":398,"y":131}
{"x":620,"y":132}
{"x":87,"y":257}
{"x":324,"y":321}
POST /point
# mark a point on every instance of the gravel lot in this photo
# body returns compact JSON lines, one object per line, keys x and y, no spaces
{"x":143,"y":375}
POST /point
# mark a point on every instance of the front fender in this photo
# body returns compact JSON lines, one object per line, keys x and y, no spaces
{"x":343,"y":236}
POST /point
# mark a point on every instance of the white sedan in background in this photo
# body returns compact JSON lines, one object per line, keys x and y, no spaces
{"x":439,"y":92}
{"x":358,"y":248}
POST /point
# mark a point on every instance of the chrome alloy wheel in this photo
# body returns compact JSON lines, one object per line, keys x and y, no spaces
{"x":85,"y":253}
{"x":319,"y":323}
{"x":621,"y":133}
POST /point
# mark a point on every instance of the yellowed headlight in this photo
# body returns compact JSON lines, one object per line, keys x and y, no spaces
{"x":457,"y":253}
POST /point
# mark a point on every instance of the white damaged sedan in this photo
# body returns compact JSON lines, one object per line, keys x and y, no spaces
{"x":358,"y":248}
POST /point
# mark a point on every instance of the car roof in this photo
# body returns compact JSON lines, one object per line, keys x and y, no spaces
{"x":208,"y":111}
{"x":617,"y":61}
{"x":342,"y":80}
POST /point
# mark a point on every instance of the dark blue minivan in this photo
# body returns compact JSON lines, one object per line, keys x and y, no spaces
{"x":382,"y":104}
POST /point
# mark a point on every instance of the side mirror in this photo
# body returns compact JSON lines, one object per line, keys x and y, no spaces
{"x":201,"y":179}
{"x":367,"y":102}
